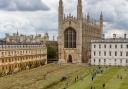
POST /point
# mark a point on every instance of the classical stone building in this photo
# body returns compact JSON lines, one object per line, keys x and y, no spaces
{"x":21,"y":38}
{"x":19,"y":56}
{"x":110,"y":51}
{"x":75,"y":34}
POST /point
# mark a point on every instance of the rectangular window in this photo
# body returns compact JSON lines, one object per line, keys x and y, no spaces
{"x":110,"y":53}
{"x":121,"y":46}
{"x":104,"y":60}
{"x":99,"y":60}
{"x":120,"y":60}
{"x":104,"y":46}
{"x":94,"y":46}
{"x":2,"y":61}
{"x":99,"y":53}
{"x":94,"y":53}
{"x":94,"y":60}
{"x":115,"y":53}
{"x":127,"y":46}
{"x":126,"y":60}
{"x":99,"y":46}
{"x":121,"y":53}
{"x":104,"y":53}
{"x":110,"y":46}
{"x":127,"y":53}
{"x":115,"y":46}
{"x":115,"y":60}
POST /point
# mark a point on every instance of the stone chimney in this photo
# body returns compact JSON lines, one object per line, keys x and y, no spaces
{"x":125,"y":36}
{"x":53,"y":38}
{"x":103,"y":36}
{"x":114,"y":36}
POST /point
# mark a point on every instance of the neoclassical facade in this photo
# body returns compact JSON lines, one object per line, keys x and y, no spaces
{"x":15,"y":57}
{"x":75,"y":35}
{"x":110,"y":52}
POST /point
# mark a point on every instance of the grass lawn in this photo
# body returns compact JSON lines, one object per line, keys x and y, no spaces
{"x":71,"y":76}
{"x":45,"y":77}
{"x":109,"y":77}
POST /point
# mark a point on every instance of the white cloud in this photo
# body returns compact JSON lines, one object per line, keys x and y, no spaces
{"x":115,"y":15}
{"x":26,"y":23}
{"x":119,"y":33}
{"x":115,"y":11}
{"x":22,"y":5}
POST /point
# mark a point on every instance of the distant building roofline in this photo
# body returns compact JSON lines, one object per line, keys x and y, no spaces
{"x":111,"y":40}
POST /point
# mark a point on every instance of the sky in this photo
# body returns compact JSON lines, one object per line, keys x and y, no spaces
{"x":40,"y":16}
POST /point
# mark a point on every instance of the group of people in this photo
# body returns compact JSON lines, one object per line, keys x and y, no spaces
{"x":76,"y":79}
{"x":98,"y":70}
{"x":103,"y":85}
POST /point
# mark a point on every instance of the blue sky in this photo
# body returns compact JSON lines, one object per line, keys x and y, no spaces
{"x":40,"y":16}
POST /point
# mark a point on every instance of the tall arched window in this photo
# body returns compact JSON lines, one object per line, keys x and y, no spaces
{"x":70,"y":38}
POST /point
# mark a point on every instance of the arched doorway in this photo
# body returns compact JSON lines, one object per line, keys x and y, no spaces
{"x":69,"y":58}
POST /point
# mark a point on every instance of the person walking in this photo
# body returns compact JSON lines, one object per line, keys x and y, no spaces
{"x":103,"y":86}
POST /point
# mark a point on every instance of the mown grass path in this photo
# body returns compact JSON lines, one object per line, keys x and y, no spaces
{"x":124,"y":83}
{"x":98,"y":81}
{"x":116,"y":81}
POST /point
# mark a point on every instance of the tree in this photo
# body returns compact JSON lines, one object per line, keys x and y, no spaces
{"x":52,"y":53}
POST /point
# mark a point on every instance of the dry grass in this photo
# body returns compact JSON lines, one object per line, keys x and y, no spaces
{"x":45,"y":77}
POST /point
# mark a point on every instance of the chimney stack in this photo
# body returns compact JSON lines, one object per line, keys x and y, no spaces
{"x":125,"y":36}
{"x":114,"y":36}
{"x":53,"y":38}
{"x":103,"y":36}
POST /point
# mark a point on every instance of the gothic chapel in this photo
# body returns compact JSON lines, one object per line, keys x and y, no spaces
{"x":75,"y":35}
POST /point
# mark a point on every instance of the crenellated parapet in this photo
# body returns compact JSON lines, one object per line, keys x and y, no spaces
{"x":70,"y":17}
{"x":92,"y":23}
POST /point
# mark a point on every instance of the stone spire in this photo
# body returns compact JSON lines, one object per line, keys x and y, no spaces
{"x":88,"y":17}
{"x":46,"y":36}
{"x":101,"y":21}
{"x":79,"y":10}
{"x":17,"y":32}
{"x":61,"y":11}
{"x":53,"y":38}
